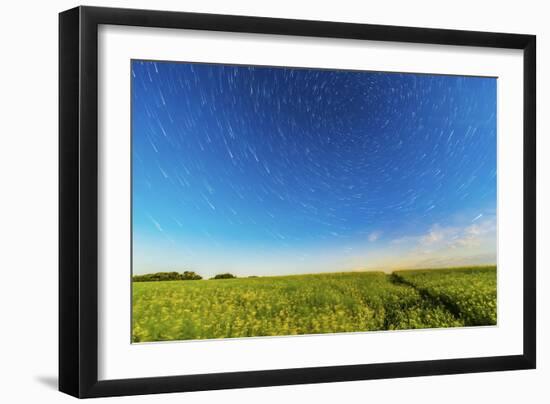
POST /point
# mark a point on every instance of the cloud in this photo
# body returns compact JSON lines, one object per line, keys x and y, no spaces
{"x":375,"y":235}
{"x":436,"y":235}
{"x":451,"y":236}
{"x":474,"y":234}
{"x":468,"y":244}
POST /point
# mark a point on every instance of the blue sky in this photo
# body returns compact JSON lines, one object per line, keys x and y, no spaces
{"x":267,"y":171}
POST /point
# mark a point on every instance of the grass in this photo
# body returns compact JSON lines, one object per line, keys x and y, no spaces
{"x":470,"y":293}
{"x":313,"y":304}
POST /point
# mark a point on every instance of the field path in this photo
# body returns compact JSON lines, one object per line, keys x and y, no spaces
{"x":470,"y":294}
{"x":426,"y":295}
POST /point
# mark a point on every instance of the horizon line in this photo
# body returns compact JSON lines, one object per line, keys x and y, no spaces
{"x":481,"y":266}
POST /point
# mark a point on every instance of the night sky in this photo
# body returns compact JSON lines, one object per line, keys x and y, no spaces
{"x":276,"y":170}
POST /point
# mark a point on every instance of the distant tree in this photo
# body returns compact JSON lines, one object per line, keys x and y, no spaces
{"x":190,"y":276}
{"x":226,"y":275}
{"x":158,"y":276}
{"x":167,"y":276}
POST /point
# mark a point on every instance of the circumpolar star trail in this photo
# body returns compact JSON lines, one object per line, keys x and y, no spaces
{"x":271,"y":170}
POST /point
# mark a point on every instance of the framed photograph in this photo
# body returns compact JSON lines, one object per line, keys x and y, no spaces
{"x":251,"y":201}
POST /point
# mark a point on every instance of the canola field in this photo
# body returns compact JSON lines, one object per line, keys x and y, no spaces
{"x":313,"y":304}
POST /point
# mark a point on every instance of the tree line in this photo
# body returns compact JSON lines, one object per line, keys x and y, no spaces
{"x":177,"y":276}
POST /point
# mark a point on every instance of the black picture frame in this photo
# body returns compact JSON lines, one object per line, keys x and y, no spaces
{"x":78,"y":201}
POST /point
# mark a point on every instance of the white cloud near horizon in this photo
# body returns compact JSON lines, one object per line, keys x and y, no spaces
{"x":472,"y":244}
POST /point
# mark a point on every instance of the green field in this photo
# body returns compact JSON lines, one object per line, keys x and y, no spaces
{"x":313,"y":304}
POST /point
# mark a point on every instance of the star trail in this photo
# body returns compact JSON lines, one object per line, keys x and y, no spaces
{"x":276,"y":170}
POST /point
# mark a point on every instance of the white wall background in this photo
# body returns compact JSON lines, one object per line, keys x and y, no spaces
{"x":28,"y":203}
